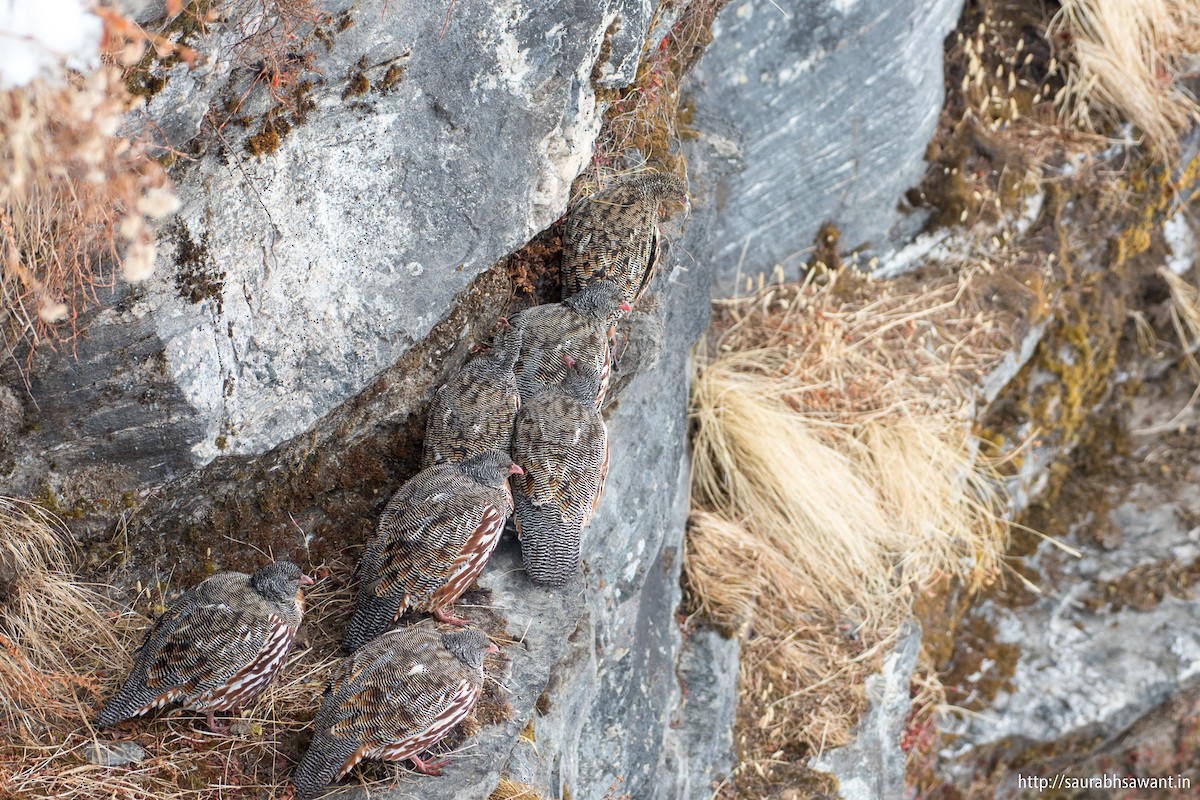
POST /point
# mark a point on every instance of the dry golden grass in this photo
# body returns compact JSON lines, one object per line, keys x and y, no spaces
{"x":1185,"y":313}
{"x":74,"y":203}
{"x":640,"y":123}
{"x":46,"y":623}
{"x":834,"y":470}
{"x":1124,"y":61}
{"x":66,"y":647}
{"x":508,"y":789}
{"x":76,"y":196}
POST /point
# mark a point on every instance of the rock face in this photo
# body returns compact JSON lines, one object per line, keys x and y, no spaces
{"x":872,"y":766}
{"x":829,"y":107}
{"x":265,"y":389}
{"x":291,"y":278}
{"x":1105,"y":659}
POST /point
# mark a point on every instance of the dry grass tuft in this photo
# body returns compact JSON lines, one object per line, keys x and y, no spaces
{"x":64,"y":648}
{"x":270,"y":30}
{"x":76,"y":195}
{"x":1125,"y":60}
{"x":834,"y":470}
{"x":640,"y":125}
{"x":74,"y":204}
{"x":1185,"y":314}
{"x":508,"y":789}
{"x":47,"y":622}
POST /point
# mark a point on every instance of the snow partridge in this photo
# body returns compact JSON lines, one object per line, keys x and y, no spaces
{"x":393,"y":699}
{"x":561,"y":442}
{"x":614,"y":234}
{"x":431,"y":542}
{"x":578,"y":327}
{"x":216,"y":647}
{"x":474,"y":411}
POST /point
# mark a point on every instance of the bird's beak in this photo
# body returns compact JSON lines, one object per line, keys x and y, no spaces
{"x":626,"y":307}
{"x":515,"y":469}
{"x":492,"y":648}
{"x":503,"y":322}
{"x":306,"y":581}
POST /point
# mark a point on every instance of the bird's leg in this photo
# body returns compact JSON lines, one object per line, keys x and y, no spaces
{"x":214,"y":726}
{"x":431,"y":767}
{"x":446,"y":615}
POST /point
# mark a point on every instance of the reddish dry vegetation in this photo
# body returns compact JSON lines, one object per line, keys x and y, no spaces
{"x":77,"y":195}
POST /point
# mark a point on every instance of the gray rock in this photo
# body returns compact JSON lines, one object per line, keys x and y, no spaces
{"x":1086,"y":673}
{"x":701,"y":735}
{"x":114,"y":754}
{"x":289,"y":280}
{"x":605,"y":719}
{"x":332,"y":256}
{"x":307,"y":300}
{"x":12,"y":415}
{"x":831,"y":106}
{"x":639,"y":344}
{"x":594,"y":673}
{"x":871,"y":767}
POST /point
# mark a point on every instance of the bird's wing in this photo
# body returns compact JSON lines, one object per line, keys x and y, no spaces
{"x":202,"y":645}
{"x":424,"y":542}
{"x":398,"y":698}
{"x":562,"y":450}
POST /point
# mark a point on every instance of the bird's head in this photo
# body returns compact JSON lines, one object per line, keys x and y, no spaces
{"x":469,"y":645}
{"x":490,"y":468}
{"x":279,"y":582}
{"x":603,"y":301}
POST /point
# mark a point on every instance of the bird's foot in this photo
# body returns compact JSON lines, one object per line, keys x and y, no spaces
{"x":446,"y":615}
{"x":570,"y":362}
{"x":217,"y":727}
{"x":431,"y":767}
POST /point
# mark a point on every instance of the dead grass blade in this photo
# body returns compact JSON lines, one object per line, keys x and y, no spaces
{"x":1125,"y":61}
{"x":834,"y":470}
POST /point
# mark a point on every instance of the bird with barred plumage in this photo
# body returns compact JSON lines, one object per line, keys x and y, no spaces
{"x":431,"y":542}
{"x":561,"y":442}
{"x":392,"y":700}
{"x":473,"y":412}
{"x":580,"y":327}
{"x":614,"y":234}
{"x":216,"y":647}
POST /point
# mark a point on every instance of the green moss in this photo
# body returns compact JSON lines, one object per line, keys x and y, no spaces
{"x":393,"y":76}
{"x":1145,"y":586}
{"x":196,"y":277}
{"x":148,"y":77}
{"x":357,"y":86}
{"x":267,"y":140}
